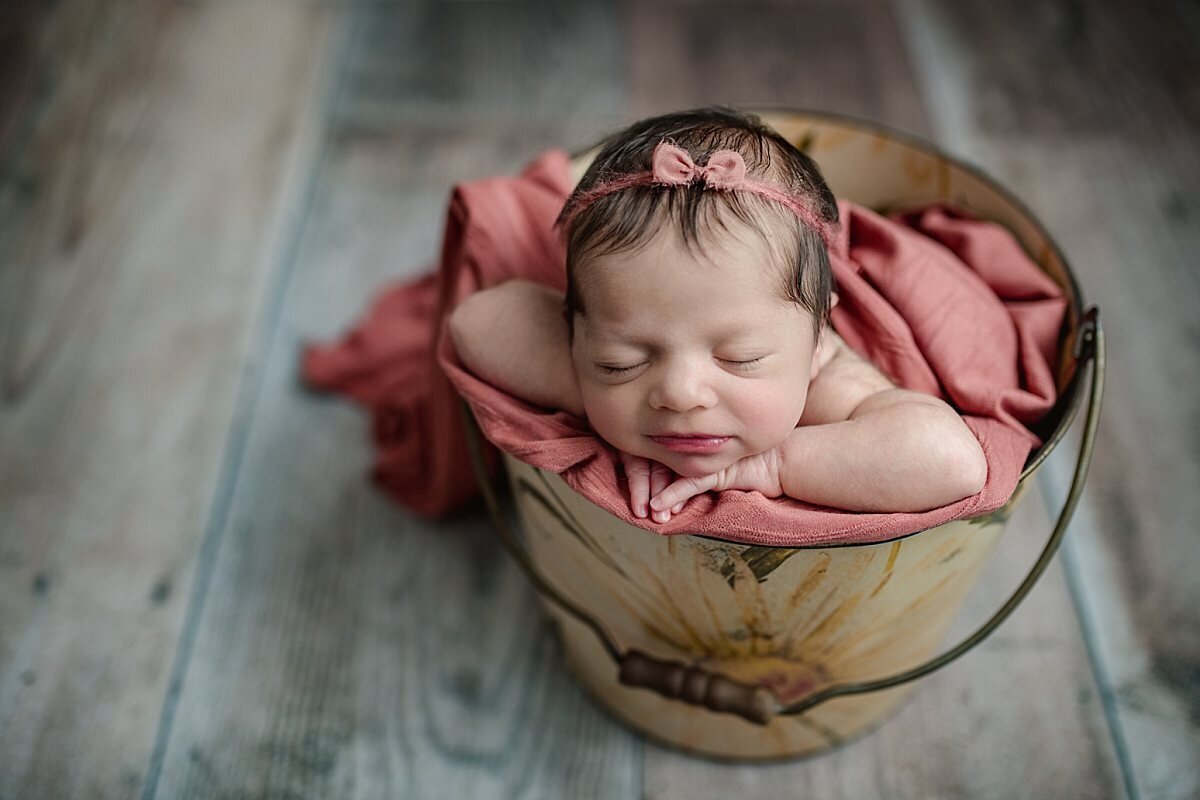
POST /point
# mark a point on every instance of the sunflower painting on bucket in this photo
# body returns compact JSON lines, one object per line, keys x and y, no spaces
{"x":793,"y":621}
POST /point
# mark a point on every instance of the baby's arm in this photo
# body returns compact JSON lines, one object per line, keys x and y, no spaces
{"x":514,"y":336}
{"x":865,"y":445}
{"x":862,"y":445}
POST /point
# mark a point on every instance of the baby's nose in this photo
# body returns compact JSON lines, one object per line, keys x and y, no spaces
{"x":682,"y":387}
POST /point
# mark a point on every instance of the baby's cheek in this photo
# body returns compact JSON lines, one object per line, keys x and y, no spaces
{"x":612,"y":417}
{"x":770,"y":415}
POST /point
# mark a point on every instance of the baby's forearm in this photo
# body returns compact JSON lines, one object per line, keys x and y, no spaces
{"x":899,"y":451}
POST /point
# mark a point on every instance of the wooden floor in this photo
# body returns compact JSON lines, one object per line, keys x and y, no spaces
{"x":201,"y":595}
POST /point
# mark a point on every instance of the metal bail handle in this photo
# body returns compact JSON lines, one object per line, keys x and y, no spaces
{"x":756,"y":704}
{"x":1089,"y":346}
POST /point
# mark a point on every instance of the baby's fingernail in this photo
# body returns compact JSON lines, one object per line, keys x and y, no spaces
{"x":640,"y":511}
{"x":661,"y":516}
{"x":656,"y":503}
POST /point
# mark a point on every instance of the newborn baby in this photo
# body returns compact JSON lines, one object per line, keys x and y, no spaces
{"x":695,"y":337}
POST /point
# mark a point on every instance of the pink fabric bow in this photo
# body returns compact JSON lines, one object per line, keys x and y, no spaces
{"x":673,"y":165}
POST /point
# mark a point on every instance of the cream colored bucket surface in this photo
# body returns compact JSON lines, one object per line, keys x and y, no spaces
{"x":785,"y":641}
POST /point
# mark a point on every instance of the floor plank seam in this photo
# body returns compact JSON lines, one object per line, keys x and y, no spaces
{"x":249,"y":391}
{"x":944,"y":92}
{"x":1053,"y":489}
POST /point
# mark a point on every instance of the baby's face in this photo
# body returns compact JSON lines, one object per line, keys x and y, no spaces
{"x":674,"y":343}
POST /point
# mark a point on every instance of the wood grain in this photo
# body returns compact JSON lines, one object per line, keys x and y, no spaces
{"x":504,"y":64}
{"x":146,"y":184}
{"x":843,"y":57}
{"x":346,"y":648}
{"x":21,"y":25}
{"x":1087,"y":111}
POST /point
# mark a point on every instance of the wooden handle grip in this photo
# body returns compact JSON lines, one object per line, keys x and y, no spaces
{"x":697,"y":687}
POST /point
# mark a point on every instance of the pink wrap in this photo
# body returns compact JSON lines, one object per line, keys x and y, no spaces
{"x":941,"y":302}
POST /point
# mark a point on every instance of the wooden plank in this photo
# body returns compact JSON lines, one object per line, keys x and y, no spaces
{"x":345,"y":648}
{"x":1086,"y":110}
{"x":830,"y":55}
{"x":505,"y":64}
{"x":968,"y":725}
{"x":21,"y":26}
{"x":146,"y":185}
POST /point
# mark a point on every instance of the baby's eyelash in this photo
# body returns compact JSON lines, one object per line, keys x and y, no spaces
{"x":616,"y":370}
{"x":744,"y":364}
{"x":741,"y":365}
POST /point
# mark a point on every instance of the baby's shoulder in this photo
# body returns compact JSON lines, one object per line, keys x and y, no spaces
{"x":841,"y":381}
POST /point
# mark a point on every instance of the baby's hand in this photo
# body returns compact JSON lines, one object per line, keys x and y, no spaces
{"x":647,"y":479}
{"x":753,"y":473}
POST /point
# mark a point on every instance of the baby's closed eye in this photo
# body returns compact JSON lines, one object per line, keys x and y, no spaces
{"x":609,"y":369}
{"x":618,"y":370}
{"x":745,"y":364}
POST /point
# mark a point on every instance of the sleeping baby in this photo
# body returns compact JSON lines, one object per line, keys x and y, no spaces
{"x":695,"y":333}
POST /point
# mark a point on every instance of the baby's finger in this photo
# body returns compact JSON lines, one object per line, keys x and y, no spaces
{"x":637,"y":472}
{"x":681,"y":490}
{"x":675,"y":509}
{"x":660,"y":478}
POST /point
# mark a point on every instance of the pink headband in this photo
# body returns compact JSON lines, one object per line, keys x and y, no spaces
{"x":725,"y":171}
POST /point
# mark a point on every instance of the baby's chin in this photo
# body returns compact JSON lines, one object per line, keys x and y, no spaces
{"x":690,"y":465}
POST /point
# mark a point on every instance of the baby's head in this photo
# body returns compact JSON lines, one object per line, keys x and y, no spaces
{"x":698,"y":286}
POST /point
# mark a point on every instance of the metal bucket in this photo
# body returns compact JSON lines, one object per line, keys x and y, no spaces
{"x":751,"y":652}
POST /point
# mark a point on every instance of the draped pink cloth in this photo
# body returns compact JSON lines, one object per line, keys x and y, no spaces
{"x":940,"y":301}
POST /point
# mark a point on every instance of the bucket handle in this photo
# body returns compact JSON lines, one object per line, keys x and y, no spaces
{"x":757,"y":704}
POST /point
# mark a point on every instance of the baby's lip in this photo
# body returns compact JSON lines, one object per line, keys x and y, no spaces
{"x":671,"y":435}
{"x":688,"y":435}
{"x":691,"y":443}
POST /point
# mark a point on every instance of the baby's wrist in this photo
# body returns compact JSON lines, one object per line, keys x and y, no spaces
{"x":788,"y":456}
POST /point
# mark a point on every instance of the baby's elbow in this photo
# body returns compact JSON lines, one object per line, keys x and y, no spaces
{"x":964,"y":467}
{"x":958,"y":467}
{"x":457,"y":325}
{"x":972,"y":469}
{"x":468,"y":326}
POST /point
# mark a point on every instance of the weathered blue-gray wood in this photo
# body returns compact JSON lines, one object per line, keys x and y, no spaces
{"x":346,"y":648}
{"x":1091,"y":111}
{"x":150,"y":152}
{"x":843,"y":57}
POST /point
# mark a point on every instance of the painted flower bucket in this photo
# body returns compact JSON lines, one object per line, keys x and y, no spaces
{"x":752,"y":652}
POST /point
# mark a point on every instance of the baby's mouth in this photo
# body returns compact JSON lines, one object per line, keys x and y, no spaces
{"x":692,"y":442}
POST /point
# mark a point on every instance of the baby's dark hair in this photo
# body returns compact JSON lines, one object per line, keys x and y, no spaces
{"x":624,"y":220}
